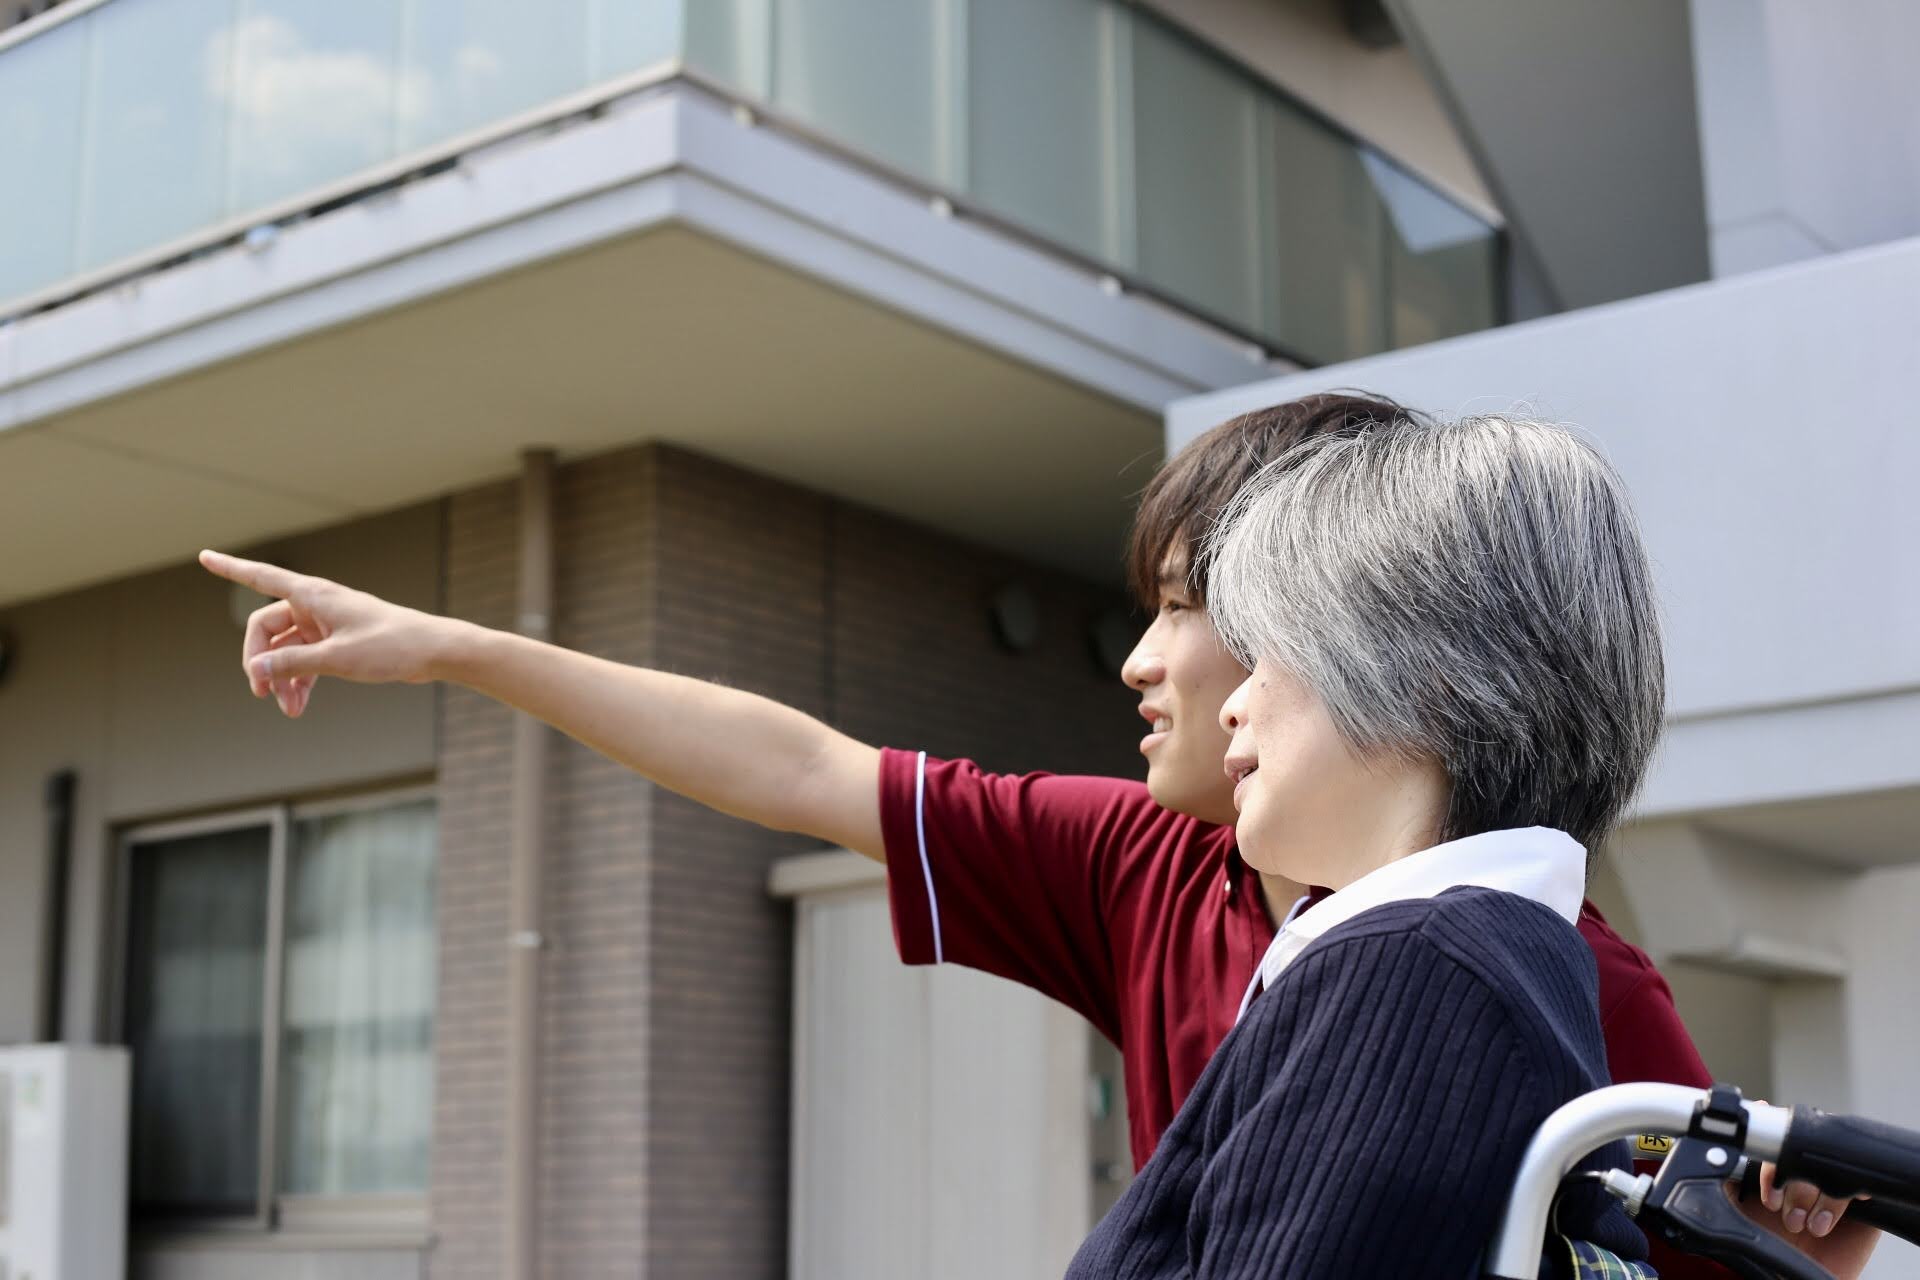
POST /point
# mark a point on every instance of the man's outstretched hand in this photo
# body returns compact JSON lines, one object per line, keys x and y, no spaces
{"x":316,"y":628}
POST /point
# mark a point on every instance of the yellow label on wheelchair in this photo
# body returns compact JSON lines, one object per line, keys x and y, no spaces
{"x":1651,"y":1146}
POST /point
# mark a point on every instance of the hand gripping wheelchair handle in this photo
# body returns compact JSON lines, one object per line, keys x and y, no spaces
{"x":1584,"y":1124}
{"x":1591,"y":1121}
{"x":1895,"y":1217}
{"x":1687,"y":1206}
{"x":1849,"y":1155}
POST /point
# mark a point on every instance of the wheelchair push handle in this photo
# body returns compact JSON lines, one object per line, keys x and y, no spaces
{"x":1842,"y":1155}
{"x":1851,"y":1155}
{"x":1590,"y":1122}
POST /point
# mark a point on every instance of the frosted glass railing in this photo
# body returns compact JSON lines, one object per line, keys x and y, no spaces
{"x":133,"y":125}
{"x":1089,"y":125}
{"x":1100,"y":128}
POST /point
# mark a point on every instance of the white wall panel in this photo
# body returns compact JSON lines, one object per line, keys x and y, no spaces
{"x":940,"y":1121}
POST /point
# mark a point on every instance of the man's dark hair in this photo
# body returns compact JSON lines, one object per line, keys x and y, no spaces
{"x":1187,"y":495}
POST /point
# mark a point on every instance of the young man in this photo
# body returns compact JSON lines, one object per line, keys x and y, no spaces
{"x":1127,"y":902}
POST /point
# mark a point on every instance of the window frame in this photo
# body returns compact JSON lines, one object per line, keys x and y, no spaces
{"x":274,"y":1212}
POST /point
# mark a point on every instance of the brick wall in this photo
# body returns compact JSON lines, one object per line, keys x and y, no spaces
{"x":667,"y":987}
{"x":476,"y":738}
{"x":595,"y":1024}
{"x":742,"y":597}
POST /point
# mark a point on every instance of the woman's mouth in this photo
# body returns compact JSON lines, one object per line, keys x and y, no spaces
{"x":1240,"y":773}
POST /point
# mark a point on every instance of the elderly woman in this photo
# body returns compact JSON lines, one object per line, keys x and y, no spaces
{"x":1457,"y":683}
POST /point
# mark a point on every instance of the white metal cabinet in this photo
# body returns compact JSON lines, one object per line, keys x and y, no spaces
{"x":63,"y":1162}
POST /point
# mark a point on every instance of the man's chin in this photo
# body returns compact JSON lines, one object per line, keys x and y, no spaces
{"x":1208,"y":804}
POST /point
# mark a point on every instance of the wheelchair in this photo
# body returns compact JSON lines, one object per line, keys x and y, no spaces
{"x":1710,"y":1138}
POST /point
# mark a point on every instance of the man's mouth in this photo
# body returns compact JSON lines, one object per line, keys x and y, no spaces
{"x":1159,"y":726}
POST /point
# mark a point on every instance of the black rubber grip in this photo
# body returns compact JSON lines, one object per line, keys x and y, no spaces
{"x":1847,"y":1155}
{"x":1891,"y":1216}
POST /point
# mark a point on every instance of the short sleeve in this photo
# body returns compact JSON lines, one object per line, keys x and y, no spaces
{"x":1014,"y":875}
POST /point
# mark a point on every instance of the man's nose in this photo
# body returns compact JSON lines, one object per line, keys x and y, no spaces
{"x":1144,"y":667}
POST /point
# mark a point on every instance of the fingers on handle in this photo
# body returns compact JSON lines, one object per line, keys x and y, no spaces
{"x":1799,"y":1199}
{"x":267,"y":579}
{"x":1800,"y":1204}
{"x":1826,"y":1214}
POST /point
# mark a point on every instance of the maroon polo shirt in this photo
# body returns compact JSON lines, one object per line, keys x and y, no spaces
{"x":1147,"y":923}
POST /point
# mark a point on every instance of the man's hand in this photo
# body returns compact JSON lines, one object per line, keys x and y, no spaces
{"x":728,"y":749}
{"x":317,"y":628}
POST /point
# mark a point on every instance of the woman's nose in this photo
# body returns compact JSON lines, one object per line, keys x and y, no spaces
{"x":1233,"y":712}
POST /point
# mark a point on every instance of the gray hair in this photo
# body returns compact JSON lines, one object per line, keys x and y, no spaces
{"x":1472,"y":592}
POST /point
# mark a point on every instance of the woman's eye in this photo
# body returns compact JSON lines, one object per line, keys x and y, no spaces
{"x":1171,"y":606}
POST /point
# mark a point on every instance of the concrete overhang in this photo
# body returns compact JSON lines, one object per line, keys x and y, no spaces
{"x":662,"y":271}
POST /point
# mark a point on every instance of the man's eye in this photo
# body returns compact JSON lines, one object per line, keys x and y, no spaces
{"x":1172,"y":606}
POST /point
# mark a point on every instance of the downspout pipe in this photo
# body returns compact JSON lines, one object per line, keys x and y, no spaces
{"x":53,"y":936}
{"x":525,"y":943}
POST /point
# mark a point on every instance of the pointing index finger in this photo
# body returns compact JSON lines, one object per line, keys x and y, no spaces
{"x":267,"y":579}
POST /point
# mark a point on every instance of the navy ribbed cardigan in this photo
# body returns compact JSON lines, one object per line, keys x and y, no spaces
{"x":1367,"y":1115}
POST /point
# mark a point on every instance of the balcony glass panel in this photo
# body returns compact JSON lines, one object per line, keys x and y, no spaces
{"x":156,"y":148}
{"x":1325,"y":282}
{"x":477,"y":61}
{"x":624,"y":36}
{"x":730,"y":41}
{"x":317,"y":91}
{"x":1441,"y":261}
{"x":1198,"y":171}
{"x":1042,"y":143}
{"x":42,"y":92}
{"x":872,"y":75}
{"x":1093,"y":125}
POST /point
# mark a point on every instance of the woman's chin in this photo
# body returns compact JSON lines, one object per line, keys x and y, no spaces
{"x":1263,"y":851}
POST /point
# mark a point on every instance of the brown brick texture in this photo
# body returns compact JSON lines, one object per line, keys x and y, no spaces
{"x":667,"y":985}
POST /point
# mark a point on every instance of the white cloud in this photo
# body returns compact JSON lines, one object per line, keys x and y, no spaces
{"x":477,"y":62}
{"x":299,"y":109}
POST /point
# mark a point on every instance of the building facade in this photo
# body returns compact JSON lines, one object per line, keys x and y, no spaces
{"x":848,"y":327}
{"x":1760,"y":419}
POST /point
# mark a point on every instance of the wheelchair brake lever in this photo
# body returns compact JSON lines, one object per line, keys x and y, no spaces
{"x":1687,"y":1205}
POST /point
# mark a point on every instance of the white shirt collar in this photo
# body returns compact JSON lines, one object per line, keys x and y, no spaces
{"x":1548,"y":866}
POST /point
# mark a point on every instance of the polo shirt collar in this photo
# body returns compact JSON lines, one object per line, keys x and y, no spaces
{"x":1548,"y":866}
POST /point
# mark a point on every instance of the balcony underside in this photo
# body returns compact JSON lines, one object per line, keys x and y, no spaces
{"x":412,"y":344}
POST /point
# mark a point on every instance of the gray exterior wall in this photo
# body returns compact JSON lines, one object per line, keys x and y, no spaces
{"x":136,"y":686}
{"x":1806,"y":128}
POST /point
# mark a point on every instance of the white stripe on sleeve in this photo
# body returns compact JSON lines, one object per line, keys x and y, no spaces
{"x":926,"y":865}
